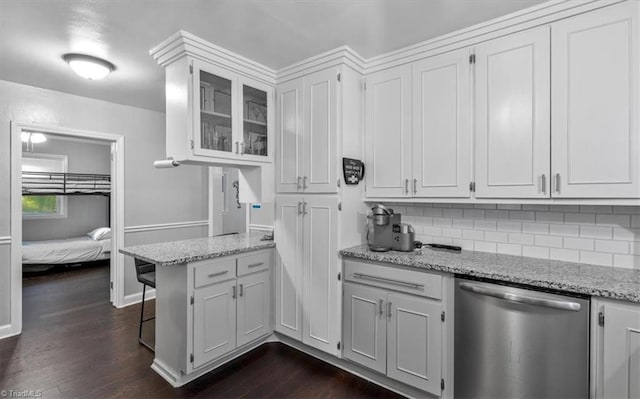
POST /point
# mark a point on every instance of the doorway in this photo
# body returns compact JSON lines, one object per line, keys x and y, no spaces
{"x":115,"y":144}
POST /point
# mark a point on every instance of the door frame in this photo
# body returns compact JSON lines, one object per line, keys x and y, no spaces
{"x":116,"y":204}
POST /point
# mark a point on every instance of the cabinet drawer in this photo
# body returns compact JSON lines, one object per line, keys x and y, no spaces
{"x":254,"y":262}
{"x":411,"y":282}
{"x":212,"y":271}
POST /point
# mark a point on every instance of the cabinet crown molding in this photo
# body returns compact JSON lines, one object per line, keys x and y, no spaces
{"x":183,"y":43}
{"x":340,"y":55}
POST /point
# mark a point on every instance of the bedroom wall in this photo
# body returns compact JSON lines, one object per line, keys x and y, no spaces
{"x":154,"y":198}
{"x":84,"y":213}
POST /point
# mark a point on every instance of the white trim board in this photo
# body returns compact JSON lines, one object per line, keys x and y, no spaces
{"x":117,"y":213}
{"x":165,"y":226}
{"x":132,"y":299}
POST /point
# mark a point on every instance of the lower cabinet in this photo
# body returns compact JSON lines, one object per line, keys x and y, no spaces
{"x":391,"y":326}
{"x":617,"y":360}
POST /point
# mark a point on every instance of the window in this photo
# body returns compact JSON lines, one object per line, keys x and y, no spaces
{"x":44,"y":206}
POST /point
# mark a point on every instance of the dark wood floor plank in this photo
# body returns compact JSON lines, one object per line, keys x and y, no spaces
{"x":75,"y":344}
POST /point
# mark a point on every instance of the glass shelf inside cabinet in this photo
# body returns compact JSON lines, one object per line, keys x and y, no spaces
{"x":215,"y":113}
{"x":254,"y":121}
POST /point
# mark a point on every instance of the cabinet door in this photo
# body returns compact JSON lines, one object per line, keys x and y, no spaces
{"x":365,"y":326}
{"x":321,"y":305}
{"x":621,"y":367}
{"x":388,"y":133}
{"x":254,"y":302}
{"x":289,"y":126}
{"x":288,"y":236}
{"x":414,"y":341}
{"x":512,"y":116}
{"x":320,"y":133}
{"x":256,"y":119}
{"x":214,"y":322}
{"x":595,"y":131}
{"x":214,"y":127}
{"x":442,"y":126}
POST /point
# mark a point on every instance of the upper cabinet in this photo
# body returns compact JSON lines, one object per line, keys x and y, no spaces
{"x":595,"y":133}
{"x":309,"y":128}
{"x":512,"y":116}
{"x":220,"y":107}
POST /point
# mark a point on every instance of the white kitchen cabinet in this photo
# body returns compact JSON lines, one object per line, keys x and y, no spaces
{"x":254,"y":301}
{"x":393,"y":322}
{"x":214,"y":321}
{"x":442,"y":126}
{"x":388,"y":133}
{"x":308,"y":133}
{"x":618,"y":348}
{"x":512,"y":104}
{"x":365,"y":326}
{"x":307,"y":285}
{"x":595,"y":127}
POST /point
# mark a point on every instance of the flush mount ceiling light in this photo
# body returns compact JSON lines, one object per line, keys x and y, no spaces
{"x":89,"y":67}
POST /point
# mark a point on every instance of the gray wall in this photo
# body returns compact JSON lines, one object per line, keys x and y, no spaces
{"x":84,"y":213}
{"x":152,"y":196}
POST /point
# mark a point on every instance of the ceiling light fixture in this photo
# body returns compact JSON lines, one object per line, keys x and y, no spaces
{"x":89,"y":67}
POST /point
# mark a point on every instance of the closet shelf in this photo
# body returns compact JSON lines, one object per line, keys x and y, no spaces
{"x":57,"y":183}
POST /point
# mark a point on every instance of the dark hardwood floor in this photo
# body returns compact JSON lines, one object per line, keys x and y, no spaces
{"x":75,"y":344}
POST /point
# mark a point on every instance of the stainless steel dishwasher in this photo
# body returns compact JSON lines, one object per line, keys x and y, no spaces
{"x":519,"y":343}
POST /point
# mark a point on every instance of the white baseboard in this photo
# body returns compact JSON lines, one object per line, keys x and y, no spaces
{"x":137,"y":298}
{"x":8,"y":330}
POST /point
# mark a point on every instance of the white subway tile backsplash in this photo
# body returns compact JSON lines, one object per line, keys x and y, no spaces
{"x":603,"y":235}
{"x":578,"y":243}
{"x":536,"y":228}
{"x":613,"y":220}
{"x":567,"y":255}
{"x":518,"y":238}
{"x":566,"y":230}
{"x":496,"y":236}
{"x":596,"y":232}
{"x":580,"y":218}
{"x":555,"y":217}
{"x":509,"y":226}
{"x":535,"y":252}
{"x":484,"y":246}
{"x":522,"y":215}
{"x":618,"y":247}
{"x":510,"y":249}
{"x":548,"y":241}
{"x":596,"y":258}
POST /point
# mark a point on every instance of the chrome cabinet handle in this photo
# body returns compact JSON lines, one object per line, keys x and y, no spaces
{"x":529,"y":300}
{"x":233,"y":292}
{"x":388,"y":280}
{"x":237,"y":145}
{"x":415,"y":186}
{"x":304,"y":182}
{"x":241,"y":289}
{"x":558,"y":183}
{"x":298,"y":185}
{"x":380,"y":308}
{"x":242,"y":148}
{"x":304,"y":208}
{"x":389,"y":309}
{"x":218,"y":273}
{"x":299,"y":208}
{"x":255,"y":264}
{"x":544,"y":183}
{"x":406,"y":186}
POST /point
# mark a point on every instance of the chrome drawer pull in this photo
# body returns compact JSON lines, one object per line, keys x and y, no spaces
{"x":218,"y":274}
{"x":256,"y":264}
{"x":241,"y":290}
{"x":529,"y":300}
{"x":388,"y":280}
{"x":389,"y":310}
{"x":381,"y":308}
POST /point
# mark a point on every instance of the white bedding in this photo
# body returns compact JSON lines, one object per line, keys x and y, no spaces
{"x":69,"y":250}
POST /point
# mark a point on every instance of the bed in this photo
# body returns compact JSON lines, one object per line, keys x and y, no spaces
{"x":96,"y":245}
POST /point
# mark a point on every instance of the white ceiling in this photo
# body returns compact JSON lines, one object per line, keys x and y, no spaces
{"x":35,"y":33}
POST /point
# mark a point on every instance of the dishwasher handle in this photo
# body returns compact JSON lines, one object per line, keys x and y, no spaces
{"x":529,"y":300}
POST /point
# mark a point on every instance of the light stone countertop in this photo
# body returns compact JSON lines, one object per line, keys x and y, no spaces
{"x":601,"y":281}
{"x":176,"y":252}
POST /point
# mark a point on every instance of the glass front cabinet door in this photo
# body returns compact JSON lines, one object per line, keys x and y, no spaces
{"x":233,"y":115}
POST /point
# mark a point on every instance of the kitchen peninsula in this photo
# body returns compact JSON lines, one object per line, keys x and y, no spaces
{"x":213,"y":301}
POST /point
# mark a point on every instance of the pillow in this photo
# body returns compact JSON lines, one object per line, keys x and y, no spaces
{"x":101,"y":233}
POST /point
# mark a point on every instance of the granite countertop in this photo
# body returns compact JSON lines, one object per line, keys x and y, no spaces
{"x":176,"y":252}
{"x":601,"y":281}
